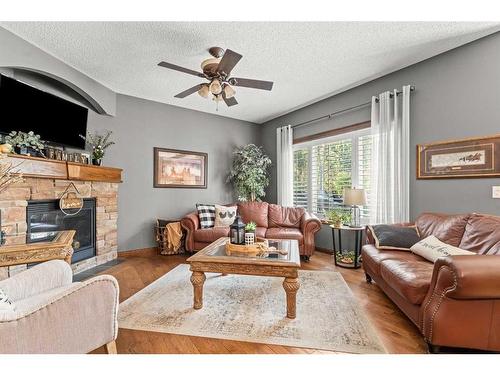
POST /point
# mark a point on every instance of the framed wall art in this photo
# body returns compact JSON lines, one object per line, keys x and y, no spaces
{"x":463,"y":158}
{"x":180,"y":169}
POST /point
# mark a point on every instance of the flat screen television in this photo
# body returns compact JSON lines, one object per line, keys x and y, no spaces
{"x":25,"y":108}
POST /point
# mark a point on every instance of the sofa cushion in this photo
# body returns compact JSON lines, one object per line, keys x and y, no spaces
{"x":482,"y":234}
{"x":206,"y":214}
{"x":254,"y":211}
{"x":289,"y":217}
{"x":394,"y":237}
{"x":410,"y":279}
{"x":224,"y":215}
{"x":285,"y":234}
{"x":373,"y":257}
{"x":447,"y":228}
{"x":210,"y":234}
{"x":260,"y":232}
{"x":431,"y":249}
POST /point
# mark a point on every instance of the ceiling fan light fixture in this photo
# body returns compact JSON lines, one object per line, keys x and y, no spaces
{"x":217,"y":98}
{"x":204,"y":91}
{"x":215,"y":87}
{"x":229,"y":91}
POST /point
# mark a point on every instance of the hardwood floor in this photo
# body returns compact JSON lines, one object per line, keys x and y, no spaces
{"x":398,"y":334}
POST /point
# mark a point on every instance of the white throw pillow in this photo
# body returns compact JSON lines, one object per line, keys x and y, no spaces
{"x":432,"y":248}
{"x":5,"y":302}
{"x":224,"y":216}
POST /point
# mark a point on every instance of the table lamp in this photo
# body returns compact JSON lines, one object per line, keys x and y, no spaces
{"x":354,"y":197}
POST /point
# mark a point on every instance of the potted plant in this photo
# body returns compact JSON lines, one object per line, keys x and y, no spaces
{"x":250,"y":227}
{"x":250,"y":172}
{"x":25,"y":143}
{"x":99,"y":145}
{"x":338,"y":216}
{"x":250,"y":232}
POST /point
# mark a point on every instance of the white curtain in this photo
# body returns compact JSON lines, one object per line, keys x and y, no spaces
{"x":284,"y":156}
{"x":390,"y":127}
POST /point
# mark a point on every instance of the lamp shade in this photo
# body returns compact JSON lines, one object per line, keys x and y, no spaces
{"x":354,"y":197}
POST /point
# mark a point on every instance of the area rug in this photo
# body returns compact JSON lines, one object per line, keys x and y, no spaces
{"x":253,"y":309}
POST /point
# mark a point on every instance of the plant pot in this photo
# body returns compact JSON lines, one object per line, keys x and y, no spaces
{"x":97,"y":161}
{"x":337,"y":224}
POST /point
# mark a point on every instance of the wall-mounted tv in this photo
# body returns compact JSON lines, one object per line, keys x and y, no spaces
{"x":25,"y":108}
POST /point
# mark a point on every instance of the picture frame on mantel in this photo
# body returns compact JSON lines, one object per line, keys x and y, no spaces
{"x":180,"y":169}
{"x":463,"y":158}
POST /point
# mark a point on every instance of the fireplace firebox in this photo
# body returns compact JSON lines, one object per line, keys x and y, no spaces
{"x":45,"y":216}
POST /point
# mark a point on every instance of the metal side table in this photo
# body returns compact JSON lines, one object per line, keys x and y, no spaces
{"x":338,"y":251}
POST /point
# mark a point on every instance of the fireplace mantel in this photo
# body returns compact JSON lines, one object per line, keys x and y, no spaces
{"x":36,"y":167}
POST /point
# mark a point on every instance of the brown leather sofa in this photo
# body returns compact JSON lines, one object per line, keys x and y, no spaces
{"x":273,"y":222}
{"x":454,"y":302}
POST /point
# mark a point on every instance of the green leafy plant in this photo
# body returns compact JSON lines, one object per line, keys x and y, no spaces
{"x":99,"y":143}
{"x":338,"y":216}
{"x":250,"y":227}
{"x":29,"y":140}
{"x":346,"y":257}
{"x":250,"y":172}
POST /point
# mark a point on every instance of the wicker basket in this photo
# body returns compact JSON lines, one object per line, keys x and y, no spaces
{"x":259,"y":247}
{"x":161,"y":238}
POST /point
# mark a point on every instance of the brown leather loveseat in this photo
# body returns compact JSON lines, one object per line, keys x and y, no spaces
{"x":273,"y":222}
{"x":454,"y":302}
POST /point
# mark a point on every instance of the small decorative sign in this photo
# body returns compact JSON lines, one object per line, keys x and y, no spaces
{"x":471,"y":157}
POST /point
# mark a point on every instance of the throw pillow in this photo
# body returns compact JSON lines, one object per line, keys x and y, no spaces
{"x":206,"y":213}
{"x":394,"y":237}
{"x":5,"y":302}
{"x":431,"y":249}
{"x":224,"y":216}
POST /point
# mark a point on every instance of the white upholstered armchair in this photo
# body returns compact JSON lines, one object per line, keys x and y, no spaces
{"x":51,"y":314}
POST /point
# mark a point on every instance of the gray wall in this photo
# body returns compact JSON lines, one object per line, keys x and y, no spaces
{"x":140,"y":125}
{"x":457,"y":95}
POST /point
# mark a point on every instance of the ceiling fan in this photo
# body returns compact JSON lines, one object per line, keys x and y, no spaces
{"x":217,"y":71}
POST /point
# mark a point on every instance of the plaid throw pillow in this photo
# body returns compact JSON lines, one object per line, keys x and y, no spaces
{"x":206,"y":213}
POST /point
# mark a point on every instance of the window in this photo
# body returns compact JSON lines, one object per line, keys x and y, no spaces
{"x":324,"y":167}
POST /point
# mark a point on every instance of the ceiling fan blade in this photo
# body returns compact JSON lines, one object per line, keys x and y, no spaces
{"x":187,"y":92}
{"x":229,"y":101}
{"x":180,"y":69}
{"x":251,"y":83}
{"x":228,"y":62}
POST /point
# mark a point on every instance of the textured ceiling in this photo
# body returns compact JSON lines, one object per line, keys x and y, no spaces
{"x":307,"y":61}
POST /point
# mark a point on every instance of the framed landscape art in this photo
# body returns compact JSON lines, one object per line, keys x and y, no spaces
{"x":471,"y":157}
{"x":180,"y":169}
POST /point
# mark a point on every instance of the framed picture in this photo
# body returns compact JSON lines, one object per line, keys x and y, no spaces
{"x":471,"y":157}
{"x":180,"y":169}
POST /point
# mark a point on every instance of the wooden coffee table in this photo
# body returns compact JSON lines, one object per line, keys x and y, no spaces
{"x":213,"y":258}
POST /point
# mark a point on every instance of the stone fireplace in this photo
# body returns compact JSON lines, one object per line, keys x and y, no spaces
{"x":17,"y":204}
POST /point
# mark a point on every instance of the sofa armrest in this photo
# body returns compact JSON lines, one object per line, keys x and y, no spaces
{"x":190,"y":223}
{"x":458,"y":309}
{"x":79,"y":319}
{"x":468,"y":276}
{"x":309,"y":226}
{"x":45,"y":276}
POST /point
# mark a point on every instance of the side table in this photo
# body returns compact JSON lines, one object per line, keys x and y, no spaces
{"x":337,"y":250}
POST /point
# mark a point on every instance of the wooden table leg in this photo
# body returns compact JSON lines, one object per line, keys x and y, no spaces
{"x":291,"y":286}
{"x":197,"y":279}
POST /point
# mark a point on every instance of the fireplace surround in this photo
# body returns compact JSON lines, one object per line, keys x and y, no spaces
{"x":45,"y":216}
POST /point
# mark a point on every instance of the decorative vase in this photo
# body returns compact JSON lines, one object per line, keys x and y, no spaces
{"x":97,"y":161}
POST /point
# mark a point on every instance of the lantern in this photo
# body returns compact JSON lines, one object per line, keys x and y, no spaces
{"x":237,"y":231}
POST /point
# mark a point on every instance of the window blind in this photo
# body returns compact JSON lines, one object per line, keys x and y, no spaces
{"x":323,"y":168}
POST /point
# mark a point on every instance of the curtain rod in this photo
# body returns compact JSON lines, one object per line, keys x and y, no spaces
{"x":329,"y":116}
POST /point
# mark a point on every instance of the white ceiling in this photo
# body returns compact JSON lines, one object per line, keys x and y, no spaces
{"x":307,"y":61}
